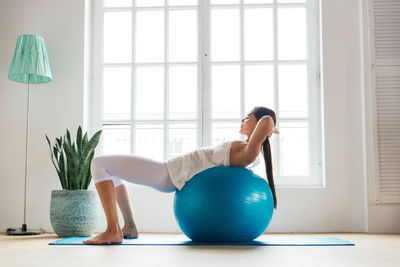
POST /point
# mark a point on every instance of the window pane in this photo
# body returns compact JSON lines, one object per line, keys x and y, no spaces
{"x":224,"y":2}
{"x":149,"y":92}
{"x":225,"y":34}
{"x":259,"y":86}
{"x":116,"y":139}
{"x":183,"y":92}
{"x":150,"y":140}
{"x":150,"y":36}
{"x":117,"y":3}
{"x":225,"y":91}
{"x":182,"y":139}
{"x":183,"y":35}
{"x":117,"y":93}
{"x":141,"y":3}
{"x":221,"y":132}
{"x":117,"y":44}
{"x":258,"y":34}
{"x":293,"y":91}
{"x":182,"y":2}
{"x":292,"y":34}
{"x":293,"y":148}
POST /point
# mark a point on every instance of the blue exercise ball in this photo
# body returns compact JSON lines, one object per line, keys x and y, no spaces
{"x":224,"y":204}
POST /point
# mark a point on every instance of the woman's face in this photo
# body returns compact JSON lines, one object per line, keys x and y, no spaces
{"x":248,"y":123}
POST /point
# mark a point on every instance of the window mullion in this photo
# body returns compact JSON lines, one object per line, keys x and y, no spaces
{"x":241,"y":36}
{"x":99,"y":68}
{"x":166,"y":81}
{"x":205,"y":100}
{"x":315,"y":164}
{"x":133,"y":82}
{"x":276,"y":89}
{"x":200,"y":71}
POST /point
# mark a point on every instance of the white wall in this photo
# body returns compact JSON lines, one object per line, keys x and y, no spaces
{"x":60,"y":104}
{"x":55,"y":106}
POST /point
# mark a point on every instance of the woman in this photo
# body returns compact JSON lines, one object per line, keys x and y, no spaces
{"x":109,"y":171}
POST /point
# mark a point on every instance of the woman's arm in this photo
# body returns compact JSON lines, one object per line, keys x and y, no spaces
{"x":263,"y":129}
{"x":243,"y":156}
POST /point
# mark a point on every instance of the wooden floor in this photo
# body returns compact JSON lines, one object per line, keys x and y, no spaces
{"x":377,"y":250}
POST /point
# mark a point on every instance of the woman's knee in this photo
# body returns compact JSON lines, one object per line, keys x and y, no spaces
{"x":98,"y":162}
{"x":97,"y":170}
{"x":100,"y":172}
{"x":95,"y":164}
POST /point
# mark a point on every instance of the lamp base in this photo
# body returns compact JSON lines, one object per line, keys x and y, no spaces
{"x":23,"y":231}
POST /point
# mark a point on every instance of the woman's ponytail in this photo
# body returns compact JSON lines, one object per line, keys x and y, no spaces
{"x":259,"y":112}
{"x":268,"y":167}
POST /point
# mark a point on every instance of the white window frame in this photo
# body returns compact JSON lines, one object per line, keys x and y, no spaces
{"x":316,"y":177}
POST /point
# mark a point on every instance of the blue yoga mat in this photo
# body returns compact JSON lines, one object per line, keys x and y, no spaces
{"x":181,"y":240}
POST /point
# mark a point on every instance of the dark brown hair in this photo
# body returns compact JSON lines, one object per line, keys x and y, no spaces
{"x":259,"y":112}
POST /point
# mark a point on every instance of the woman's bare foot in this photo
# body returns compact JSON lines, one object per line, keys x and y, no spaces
{"x":106,"y":237}
{"x":130,"y":232}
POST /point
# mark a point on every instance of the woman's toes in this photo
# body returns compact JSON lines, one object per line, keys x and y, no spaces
{"x":104,"y":238}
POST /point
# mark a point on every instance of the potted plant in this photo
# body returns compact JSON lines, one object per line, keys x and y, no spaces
{"x":74,"y":210}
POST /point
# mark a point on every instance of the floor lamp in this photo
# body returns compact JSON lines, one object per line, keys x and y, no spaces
{"x":30,"y":64}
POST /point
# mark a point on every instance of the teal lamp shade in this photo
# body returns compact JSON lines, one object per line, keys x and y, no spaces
{"x":30,"y":62}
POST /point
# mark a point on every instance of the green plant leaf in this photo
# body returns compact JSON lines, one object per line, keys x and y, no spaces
{"x":84,"y":141}
{"x":75,"y":150}
{"x":79,"y":140}
{"x":56,"y":145}
{"x":85,"y":171}
{"x":91,"y":145}
{"x":63,"y":172}
{"x":59,"y":141}
{"x":71,"y":165}
{"x":55,"y":151}
{"x":68,"y":137}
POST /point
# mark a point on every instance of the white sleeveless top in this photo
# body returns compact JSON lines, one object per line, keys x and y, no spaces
{"x":182,"y":168}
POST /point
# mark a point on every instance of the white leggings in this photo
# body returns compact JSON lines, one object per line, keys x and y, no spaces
{"x":132,"y":168}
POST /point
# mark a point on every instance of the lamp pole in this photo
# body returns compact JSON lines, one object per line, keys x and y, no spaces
{"x":24,"y":228}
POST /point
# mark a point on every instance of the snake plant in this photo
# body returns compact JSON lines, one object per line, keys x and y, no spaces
{"x":72,"y":160}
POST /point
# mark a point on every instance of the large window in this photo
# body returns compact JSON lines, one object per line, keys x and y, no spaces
{"x":171,"y":76}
